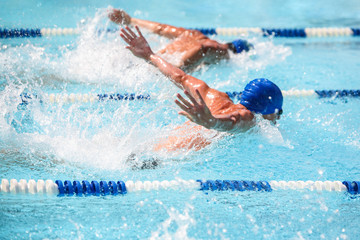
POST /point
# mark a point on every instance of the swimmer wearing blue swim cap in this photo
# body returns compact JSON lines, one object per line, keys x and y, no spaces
{"x":206,"y":106}
{"x":239,"y":46}
{"x":192,"y":46}
{"x":262,"y":96}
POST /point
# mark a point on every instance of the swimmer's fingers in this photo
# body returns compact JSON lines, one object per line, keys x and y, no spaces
{"x":124,"y":33}
{"x":113,"y":14}
{"x":184,"y":101}
{"x":138,"y":30}
{"x":187,"y":108}
{"x":125,"y":38}
{"x":131,"y":32}
{"x":182,"y":106}
{"x":185,"y":114}
{"x":192,"y":99}
{"x":200,"y":97}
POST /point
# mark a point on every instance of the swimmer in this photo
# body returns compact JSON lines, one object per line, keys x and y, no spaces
{"x":208,"y":107}
{"x":194,"y":47}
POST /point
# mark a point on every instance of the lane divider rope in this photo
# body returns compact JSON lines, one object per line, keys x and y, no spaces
{"x":276,"y":32}
{"x":284,"y":32}
{"x":101,"y":188}
{"x":91,"y":98}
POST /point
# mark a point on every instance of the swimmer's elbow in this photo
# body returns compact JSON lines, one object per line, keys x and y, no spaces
{"x":179,"y":77}
{"x":159,"y":28}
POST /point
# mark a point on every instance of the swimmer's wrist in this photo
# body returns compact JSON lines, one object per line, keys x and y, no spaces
{"x":132,"y":21}
{"x":151,"y":57}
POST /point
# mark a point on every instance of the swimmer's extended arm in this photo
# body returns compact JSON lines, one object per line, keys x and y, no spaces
{"x":140,"y":48}
{"x":198,"y":112}
{"x":121,"y":17}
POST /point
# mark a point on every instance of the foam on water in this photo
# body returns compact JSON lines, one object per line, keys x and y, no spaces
{"x":242,"y":68}
{"x":102,"y":59}
{"x":182,"y":221}
{"x":272,"y":133}
{"x":316,"y":139}
{"x":104,"y":135}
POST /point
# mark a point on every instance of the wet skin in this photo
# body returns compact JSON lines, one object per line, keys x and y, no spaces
{"x":195,"y":48}
{"x":207,"y":107}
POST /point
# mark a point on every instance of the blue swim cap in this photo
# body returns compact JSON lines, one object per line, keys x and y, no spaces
{"x":262,"y":96}
{"x":241,"y":45}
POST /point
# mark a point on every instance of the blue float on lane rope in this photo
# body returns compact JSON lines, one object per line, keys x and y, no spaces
{"x":103,"y":97}
{"x":276,"y":32}
{"x":84,"y":188}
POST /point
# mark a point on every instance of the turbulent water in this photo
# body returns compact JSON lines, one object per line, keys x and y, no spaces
{"x":316,"y":139}
{"x":97,"y":62}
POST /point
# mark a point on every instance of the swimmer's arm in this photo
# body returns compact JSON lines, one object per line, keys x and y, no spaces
{"x":140,"y":48}
{"x":194,"y":54}
{"x":121,"y":17}
{"x":159,"y":28}
{"x":198,"y":112}
{"x":216,"y":46}
{"x":178,"y":76}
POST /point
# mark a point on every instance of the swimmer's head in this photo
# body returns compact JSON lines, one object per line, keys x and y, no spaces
{"x":262,"y":96}
{"x":239,"y":46}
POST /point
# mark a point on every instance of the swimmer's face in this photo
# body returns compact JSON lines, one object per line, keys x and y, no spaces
{"x":272,"y":117}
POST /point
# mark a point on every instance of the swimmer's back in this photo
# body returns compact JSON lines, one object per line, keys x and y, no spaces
{"x":195,"y":49}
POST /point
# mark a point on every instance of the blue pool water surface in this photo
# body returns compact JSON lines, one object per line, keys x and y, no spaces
{"x":316,"y":139}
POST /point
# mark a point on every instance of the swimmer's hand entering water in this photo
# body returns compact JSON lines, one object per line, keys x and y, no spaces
{"x":119,"y":17}
{"x":137,"y":44}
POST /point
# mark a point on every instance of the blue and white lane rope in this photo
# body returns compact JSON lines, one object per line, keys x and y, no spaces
{"x":92,"y":97}
{"x":88,"y":188}
{"x":276,"y":32}
{"x":283,"y":32}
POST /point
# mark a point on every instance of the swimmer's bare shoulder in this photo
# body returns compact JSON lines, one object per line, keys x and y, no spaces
{"x":220,"y":103}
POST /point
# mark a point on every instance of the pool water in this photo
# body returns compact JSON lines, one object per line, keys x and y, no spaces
{"x":316,"y":139}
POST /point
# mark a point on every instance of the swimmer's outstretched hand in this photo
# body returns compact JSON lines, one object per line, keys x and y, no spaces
{"x":195,"y":111}
{"x":137,"y":44}
{"x":119,"y":16}
{"x":198,"y":112}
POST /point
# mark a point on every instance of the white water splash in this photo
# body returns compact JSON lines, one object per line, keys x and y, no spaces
{"x":101,"y":58}
{"x":98,"y":61}
{"x":272,"y":133}
{"x":265,"y":53}
{"x":182,"y":220}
